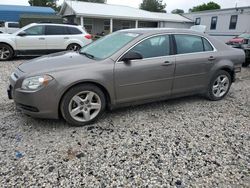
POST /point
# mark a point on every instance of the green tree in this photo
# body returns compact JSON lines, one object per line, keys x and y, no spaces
{"x":153,"y":5}
{"x":209,"y":6}
{"x":177,"y":11}
{"x":45,"y":3}
{"x":94,"y":1}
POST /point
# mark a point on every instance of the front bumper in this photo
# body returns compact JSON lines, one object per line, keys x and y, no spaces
{"x":42,"y":103}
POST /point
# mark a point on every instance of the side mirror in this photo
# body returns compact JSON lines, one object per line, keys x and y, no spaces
{"x":131,"y":56}
{"x":22,"y":34}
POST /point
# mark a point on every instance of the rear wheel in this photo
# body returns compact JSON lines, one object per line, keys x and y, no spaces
{"x":6,"y":52}
{"x":83,"y":104}
{"x":74,"y":47}
{"x":219,"y":85}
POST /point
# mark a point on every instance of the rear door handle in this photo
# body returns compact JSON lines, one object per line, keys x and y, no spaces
{"x":211,"y":58}
{"x":66,"y":37}
{"x":41,"y":38}
{"x":166,"y":63}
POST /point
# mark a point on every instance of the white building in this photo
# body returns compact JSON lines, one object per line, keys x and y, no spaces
{"x":98,"y":18}
{"x":224,"y":24}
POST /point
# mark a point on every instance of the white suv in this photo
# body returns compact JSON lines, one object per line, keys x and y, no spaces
{"x":42,"y":38}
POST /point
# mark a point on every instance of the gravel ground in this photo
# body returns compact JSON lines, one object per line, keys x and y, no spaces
{"x":188,"y":142}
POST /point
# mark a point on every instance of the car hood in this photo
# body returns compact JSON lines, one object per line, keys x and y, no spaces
{"x":55,"y":62}
{"x":4,"y":35}
{"x":236,"y":40}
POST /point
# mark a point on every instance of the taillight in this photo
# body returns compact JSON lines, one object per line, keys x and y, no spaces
{"x":88,"y":36}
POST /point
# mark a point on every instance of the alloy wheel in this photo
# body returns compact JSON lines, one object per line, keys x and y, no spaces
{"x":85,"y":106}
{"x":221,"y":86}
{"x":74,"y":47}
{"x":4,"y":53}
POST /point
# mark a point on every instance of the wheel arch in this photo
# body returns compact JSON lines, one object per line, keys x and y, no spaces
{"x":103,"y":88}
{"x":10,"y":45}
{"x":73,"y":42}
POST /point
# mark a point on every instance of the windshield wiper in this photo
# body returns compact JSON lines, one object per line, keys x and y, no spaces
{"x":88,"y":55}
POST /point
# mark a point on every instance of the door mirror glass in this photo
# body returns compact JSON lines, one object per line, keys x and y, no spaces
{"x":22,"y":34}
{"x":132,"y":55}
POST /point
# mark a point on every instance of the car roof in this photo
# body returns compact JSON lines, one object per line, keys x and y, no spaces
{"x":161,"y":30}
{"x":56,"y":24}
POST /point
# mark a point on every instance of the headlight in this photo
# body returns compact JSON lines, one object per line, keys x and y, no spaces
{"x":33,"y":83}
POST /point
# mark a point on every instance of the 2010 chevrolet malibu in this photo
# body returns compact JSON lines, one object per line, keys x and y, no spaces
{"x":124,"y":68}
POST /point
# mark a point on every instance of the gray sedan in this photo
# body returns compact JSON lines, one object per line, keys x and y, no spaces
{"x":124,"y":68}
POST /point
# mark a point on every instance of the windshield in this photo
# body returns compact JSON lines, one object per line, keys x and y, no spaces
{"x":108,"y":45}
{"x":244,"y":35}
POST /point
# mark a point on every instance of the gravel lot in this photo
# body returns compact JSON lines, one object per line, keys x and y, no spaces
{"x":188,"y":142}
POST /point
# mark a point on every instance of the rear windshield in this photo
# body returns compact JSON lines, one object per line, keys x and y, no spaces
{"x":108,"y":45}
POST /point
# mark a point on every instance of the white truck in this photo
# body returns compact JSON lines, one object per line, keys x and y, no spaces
{"x":9,"y":27}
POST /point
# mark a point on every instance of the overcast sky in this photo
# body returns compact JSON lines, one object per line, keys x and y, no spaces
{"x":171,"y":4}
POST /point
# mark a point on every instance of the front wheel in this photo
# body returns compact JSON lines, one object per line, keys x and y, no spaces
{"x":219,"y":85}
{"x":83,"y":104}
{"x":6,"y":52}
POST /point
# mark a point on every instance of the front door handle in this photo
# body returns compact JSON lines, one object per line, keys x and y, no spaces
{"x":211,"y":58}
{"x":66,"y":37}
{"x":41,"y":38}
{"x":166,"y":63}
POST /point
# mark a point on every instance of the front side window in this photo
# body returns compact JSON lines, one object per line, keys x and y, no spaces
{"x":153,"y":47}
{"x":108,"y":45}
{"x":55,"y":30}
{"x":213,"y":23}
{"x":188,"y":44}
{"x":233,"y":22}
{"x":197,"y":21}
{"x":35,"y":30}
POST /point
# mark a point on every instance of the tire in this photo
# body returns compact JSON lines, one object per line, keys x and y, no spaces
{"x":218,"y":87}
{"x":83,"y":104}
{"x":73,"y":47}
{"x":6,"y":52}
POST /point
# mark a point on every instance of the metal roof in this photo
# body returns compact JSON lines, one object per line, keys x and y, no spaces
{"x":13,"y":12}
{"x":100,"y":10}
{"x":34,"y":9}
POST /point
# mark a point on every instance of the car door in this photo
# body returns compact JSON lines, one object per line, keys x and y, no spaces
{"x":149,"y":77}
{"x":194,"y":59}
{"x":32,"y":40}
{"x":56,"y":37}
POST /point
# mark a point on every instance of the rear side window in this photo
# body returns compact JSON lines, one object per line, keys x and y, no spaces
{"x":191,"y":44}
{"x":154,"y":47}
{"x":74,"y":31}
{"x":56,"y":30}
{"x":207,"y":45}
{"x":188,"y":44}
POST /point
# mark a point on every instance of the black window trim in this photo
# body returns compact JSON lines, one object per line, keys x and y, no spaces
{"x":216,"y":17}
{"x":198,"y":18}
{"x":173,"y":42}
{"x":230,"y":26}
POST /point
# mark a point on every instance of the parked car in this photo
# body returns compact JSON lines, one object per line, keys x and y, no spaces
{"x":242,"y":41}
{"x":42,"y":38}
{"x":9,"y":27}
{"x":127,"y":67}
